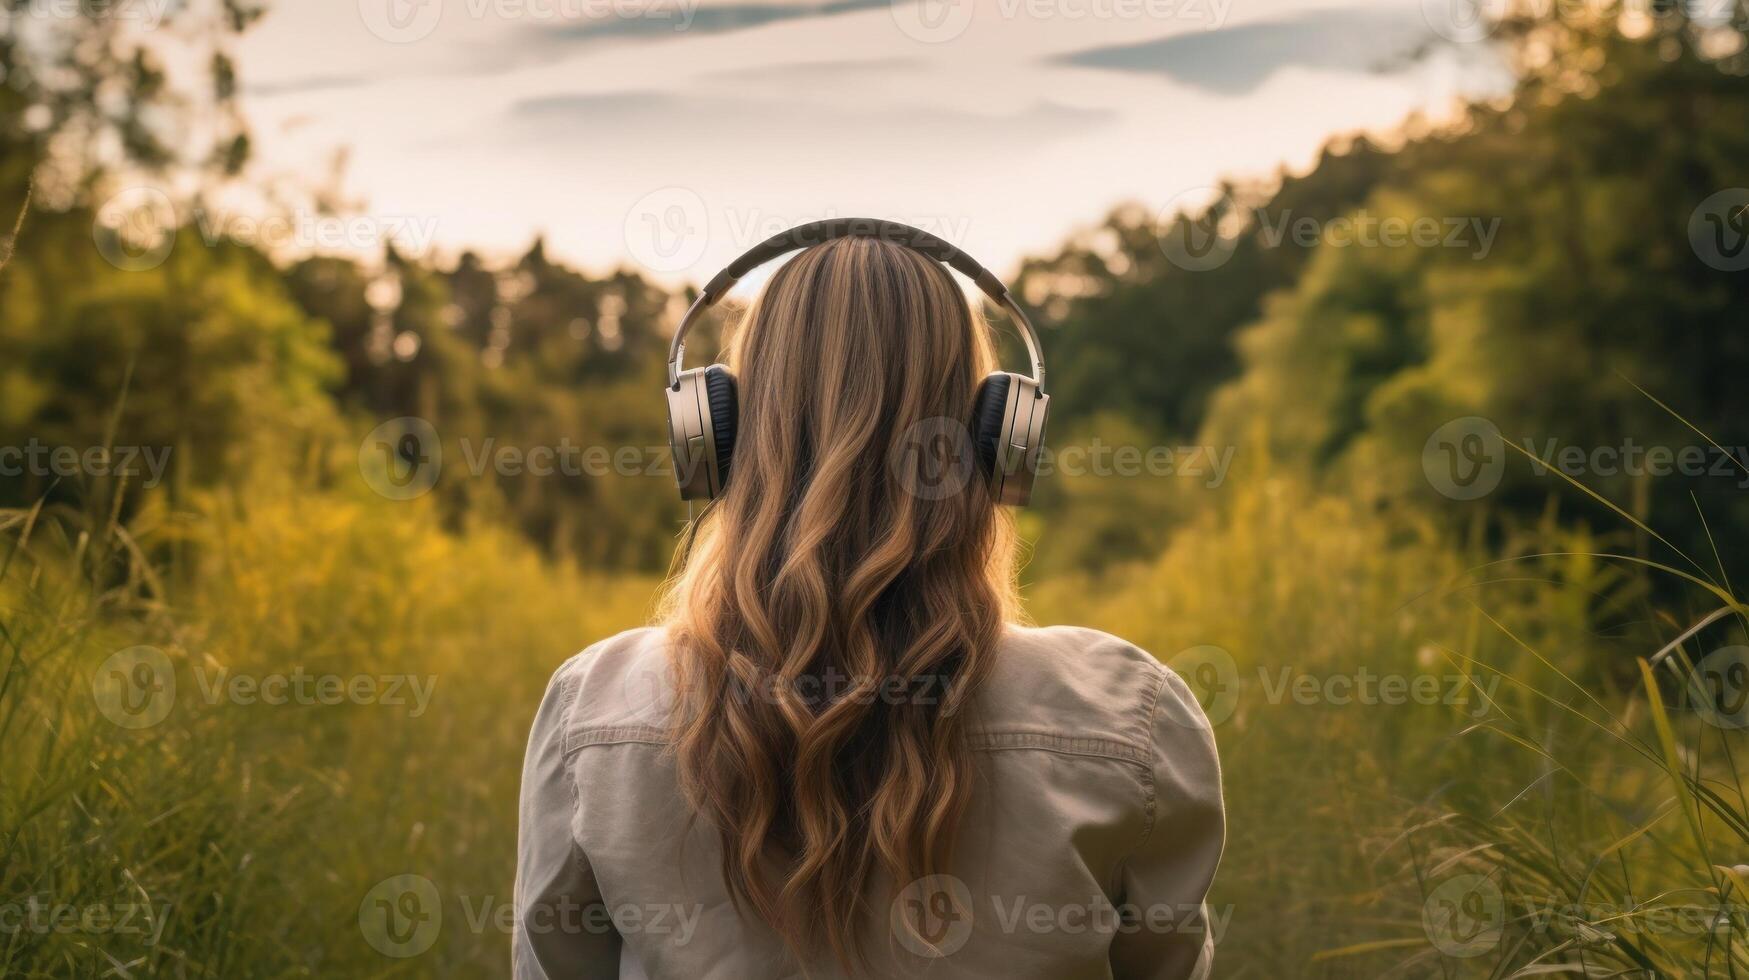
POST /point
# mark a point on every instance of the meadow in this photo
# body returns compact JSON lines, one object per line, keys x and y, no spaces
{"x":262,"y":711}
{"x":235,"y":836}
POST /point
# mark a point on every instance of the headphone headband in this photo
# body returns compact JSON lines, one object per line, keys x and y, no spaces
{"x":819,"y":232}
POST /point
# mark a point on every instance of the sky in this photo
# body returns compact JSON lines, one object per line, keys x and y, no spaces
{"x":670,"y":135}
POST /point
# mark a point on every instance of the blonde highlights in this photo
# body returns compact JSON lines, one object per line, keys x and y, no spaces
{"x":831,"y":621}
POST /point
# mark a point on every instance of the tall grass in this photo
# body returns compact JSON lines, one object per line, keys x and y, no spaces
{"x":1563,"y":803}
{"x":236,"y":837}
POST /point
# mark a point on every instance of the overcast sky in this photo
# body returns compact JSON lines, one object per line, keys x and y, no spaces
{"x":671,"y":135}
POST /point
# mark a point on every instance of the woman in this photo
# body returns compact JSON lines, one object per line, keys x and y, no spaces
{"x":836,"y":756}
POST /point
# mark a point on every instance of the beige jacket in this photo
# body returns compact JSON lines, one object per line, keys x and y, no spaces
{"x":1087,"y":850}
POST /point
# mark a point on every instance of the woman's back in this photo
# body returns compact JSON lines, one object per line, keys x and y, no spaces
{"x":1092,"y":833}
{"x":835,"y":755}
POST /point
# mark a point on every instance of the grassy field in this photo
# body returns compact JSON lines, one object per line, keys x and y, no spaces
{"x":274,"y":729}
{"x":1452,"y":759}
{"x":1443,"y":757}
{"x":238,"y":835}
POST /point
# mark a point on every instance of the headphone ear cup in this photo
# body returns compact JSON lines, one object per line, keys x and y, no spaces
{"x":720,"y":397}
{"x":987,"y":417}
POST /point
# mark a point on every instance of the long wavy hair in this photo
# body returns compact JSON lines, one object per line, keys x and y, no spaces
{"x":842,"y":600}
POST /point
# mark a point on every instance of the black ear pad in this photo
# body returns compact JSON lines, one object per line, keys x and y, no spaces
{"x":719,"y":387}
{"x":987,"y":413}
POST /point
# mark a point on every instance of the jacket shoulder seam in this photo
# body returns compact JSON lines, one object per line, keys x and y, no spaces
{"x":1108,"y":748}
{"x":1150,"y":797}
{"x":581,"y":738}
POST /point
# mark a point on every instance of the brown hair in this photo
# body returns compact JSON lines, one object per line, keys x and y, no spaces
{"x":836,"y":611}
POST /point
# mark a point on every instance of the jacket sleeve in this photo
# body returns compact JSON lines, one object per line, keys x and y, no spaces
{"x":1167,"y":931}
{"x":562,"y":926}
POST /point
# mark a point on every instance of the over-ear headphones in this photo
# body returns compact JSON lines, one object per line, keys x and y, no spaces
{"x":1008,"y":417}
